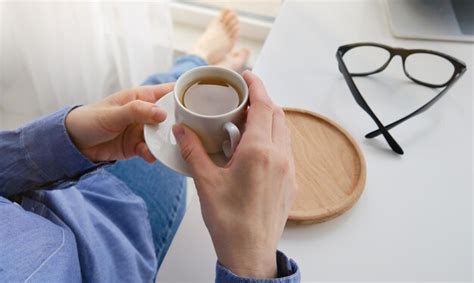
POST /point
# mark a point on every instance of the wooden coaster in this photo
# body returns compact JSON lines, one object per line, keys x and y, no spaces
{"x":330,"y":167}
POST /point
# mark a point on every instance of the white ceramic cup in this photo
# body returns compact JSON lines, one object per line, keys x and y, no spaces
{"x":217,"y":132}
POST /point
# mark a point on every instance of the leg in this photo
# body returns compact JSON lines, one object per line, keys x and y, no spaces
{"x":182,"y":64}
{"x":164,"y":193}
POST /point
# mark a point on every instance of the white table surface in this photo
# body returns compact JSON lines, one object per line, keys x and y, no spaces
{"x":414,"y":219}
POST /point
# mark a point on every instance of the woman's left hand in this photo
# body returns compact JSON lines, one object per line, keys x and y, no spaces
{"x":112,"y":128}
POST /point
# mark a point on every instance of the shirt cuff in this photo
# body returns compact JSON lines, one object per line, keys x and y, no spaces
{"x":50,"y":149}
{"x":288,"y":272}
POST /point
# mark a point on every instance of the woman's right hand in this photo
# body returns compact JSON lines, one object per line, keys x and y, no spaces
{"x":245,"y":205}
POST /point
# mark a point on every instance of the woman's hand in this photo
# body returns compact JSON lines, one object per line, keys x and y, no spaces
{"x":245,"y":205}
{"x":112,"y":128}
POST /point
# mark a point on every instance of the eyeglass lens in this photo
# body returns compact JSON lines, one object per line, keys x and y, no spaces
{"x":429,"y":68}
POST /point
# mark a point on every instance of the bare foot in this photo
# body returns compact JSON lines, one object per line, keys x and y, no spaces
{"x":219,"y":38}
{"x":235,"y":60}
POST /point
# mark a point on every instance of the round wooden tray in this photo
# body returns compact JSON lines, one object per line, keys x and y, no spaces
{"x":330,"y":167}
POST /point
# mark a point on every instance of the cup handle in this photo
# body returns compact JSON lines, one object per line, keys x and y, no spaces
{"x":234,"y":138}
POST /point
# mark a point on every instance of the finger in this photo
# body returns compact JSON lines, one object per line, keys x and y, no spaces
{"x":150,"y":93}
{"x":226,"y":16}
{"x":136,"y":111}
{"x":133,"y":144}
{"x":260,"y":113}
{"x":193,"y":151}
{"x":144,"y":152}
{"x":158,"y":91}
{"x":130,"y":140}
{"x":280,"y":133}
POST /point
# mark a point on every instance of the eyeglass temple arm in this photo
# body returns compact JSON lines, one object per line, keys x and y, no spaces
{"x":383,"y":130}
{"x":420,"y":110}
{"x":361,"y":101}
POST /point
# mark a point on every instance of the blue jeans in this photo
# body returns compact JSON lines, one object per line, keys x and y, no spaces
{"x":163,"y":190}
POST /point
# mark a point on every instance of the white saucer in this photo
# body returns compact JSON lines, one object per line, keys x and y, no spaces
{"x":160,"y":140}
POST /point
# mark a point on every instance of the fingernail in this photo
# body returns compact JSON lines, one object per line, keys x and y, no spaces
{"x":178,"y":132}
{"x":158,"y":114}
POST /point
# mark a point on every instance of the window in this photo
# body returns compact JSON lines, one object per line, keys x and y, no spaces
{"x":263,"y":10}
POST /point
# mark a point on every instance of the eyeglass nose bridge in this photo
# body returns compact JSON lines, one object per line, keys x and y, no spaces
{"x":394,"y":52}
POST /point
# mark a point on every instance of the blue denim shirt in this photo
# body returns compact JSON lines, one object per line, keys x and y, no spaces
{"x":75,"y":221}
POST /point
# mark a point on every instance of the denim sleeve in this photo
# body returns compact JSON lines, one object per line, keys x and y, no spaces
{"x":288,"y":272}
{"x":182,"y":64}
{"x":39,"y":154}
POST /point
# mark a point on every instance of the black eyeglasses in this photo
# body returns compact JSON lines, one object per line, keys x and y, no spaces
{"x":368,"y":58}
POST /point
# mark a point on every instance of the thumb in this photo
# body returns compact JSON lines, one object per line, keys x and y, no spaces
{"x":192,"y":150}
{"x":136,"y":111}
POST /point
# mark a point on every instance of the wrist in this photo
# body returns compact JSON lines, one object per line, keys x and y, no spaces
{"x":74,"y":123}
{"x":261,"y":266}
{"x":70,"y":125}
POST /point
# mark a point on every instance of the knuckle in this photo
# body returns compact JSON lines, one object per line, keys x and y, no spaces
{"x":266,"y":105}
{"x":187,"y":152}
{"x":135,"y":106}
{"x":207,"y":178}
{"x":284,"y":166}
{"x":131,"y":94}
{"x":277,"y":110}
{"x":256,"y":83}
{"x":261,"y":154}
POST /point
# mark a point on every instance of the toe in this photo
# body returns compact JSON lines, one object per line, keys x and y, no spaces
{"x":232,"y":23}
{"x":234,"y":32}
{"x":236,"y":59}
{"x":229,"y":16}
{"x":240,"y":56}
{"x":224,"y":16}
